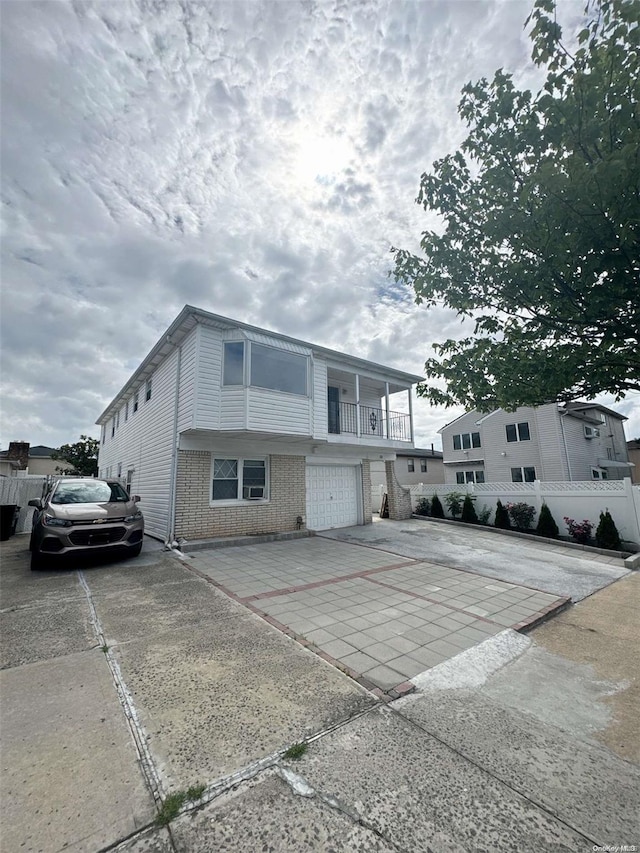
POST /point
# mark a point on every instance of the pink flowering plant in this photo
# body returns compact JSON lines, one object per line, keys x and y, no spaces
{"x":580,"y":531}
{"x":521,"y":514}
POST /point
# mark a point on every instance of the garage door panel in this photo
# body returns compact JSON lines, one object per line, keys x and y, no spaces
{"x":332,"y":496}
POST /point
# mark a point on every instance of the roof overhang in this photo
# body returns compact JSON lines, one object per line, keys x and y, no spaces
{"x":613,"y":463}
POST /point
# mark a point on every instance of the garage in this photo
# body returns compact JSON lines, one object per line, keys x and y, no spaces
{"x":333,"y":496}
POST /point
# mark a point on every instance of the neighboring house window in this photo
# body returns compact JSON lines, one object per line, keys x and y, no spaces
{"x":609,"y":453}
{"x":135,"y":402}
{"x":523,"y":475}
{"x":423,"y":466}
{"x":126,"y":411}
{"x":129,"y":479}
{"x":518,"y":432}
{"x":410,"y":466}
{"x":233,"y":368}
{"x":117,"y":419}
{"x":463,"y":477}
{"x":119,"y":470}
{"x":278,"y":370}
{"x":113,"y":427}
{"x":598,"y":474}
{"x":466,"y":440}
{"x":147,"y":391}
{"x":104,"y":433}
{"x":239,"y":479}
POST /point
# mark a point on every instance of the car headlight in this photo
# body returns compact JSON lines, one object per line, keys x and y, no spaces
{"x":135,"y":517}
{"x":52,"y":521}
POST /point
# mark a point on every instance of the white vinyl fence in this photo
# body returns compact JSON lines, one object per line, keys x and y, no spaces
{"x":574,"y":499}
{"x":19,"y":491}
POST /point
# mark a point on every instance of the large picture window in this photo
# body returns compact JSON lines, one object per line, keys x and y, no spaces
{"x":466,"y":440}
{"x":278,"y":370}
{"x":239,"y":479}
{"x":518,"y":432}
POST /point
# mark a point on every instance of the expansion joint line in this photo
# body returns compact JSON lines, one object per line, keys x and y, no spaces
{"x":590,"y":843}
{"x":149,"y":771}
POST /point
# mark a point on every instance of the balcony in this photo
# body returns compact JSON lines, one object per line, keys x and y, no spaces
{"x":374,"y":423}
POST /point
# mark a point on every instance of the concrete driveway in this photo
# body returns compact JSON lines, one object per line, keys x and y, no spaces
{"x":379,"y":616}
{"x":124,"y":683}
{"x":551,"y":568}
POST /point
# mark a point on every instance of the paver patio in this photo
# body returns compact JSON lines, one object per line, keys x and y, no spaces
{"x":382,"y":617}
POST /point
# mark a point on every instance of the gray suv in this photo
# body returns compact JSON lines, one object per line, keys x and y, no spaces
{"x":84,"y":515}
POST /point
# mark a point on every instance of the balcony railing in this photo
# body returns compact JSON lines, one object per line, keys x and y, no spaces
{"x":343,"y":418}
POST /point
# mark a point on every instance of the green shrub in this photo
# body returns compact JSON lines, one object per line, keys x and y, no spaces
{"x":436,"y":508}
{"x":469,"y":511}
{"x":546,"y":524}
{"x":502,"y":517}
{"x":454,"y":502}
{"x":607,"y":535}
{"x":521,"y":514}
{"x":484,"y":515}
{"x":423,"y":506}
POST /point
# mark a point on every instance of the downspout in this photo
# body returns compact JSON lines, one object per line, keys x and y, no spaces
{"x":170,"y":540}
{"x":564,"y":441}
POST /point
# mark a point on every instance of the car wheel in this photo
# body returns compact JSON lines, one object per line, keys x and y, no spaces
{"x":135,"y":551}
{"x":37,"y":562}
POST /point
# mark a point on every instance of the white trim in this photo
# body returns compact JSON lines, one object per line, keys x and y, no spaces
{"x":240,"y":460}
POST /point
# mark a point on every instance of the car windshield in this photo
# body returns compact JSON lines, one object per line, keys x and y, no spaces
{"x":89,"y":493}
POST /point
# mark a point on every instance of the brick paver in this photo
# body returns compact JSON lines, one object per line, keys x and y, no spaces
{"x":380,"y":616}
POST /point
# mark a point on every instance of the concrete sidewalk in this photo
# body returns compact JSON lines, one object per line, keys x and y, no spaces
{"x":128,"y":681}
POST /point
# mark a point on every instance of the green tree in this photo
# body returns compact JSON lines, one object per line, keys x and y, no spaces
{"x":469,"y":511}
{"x":502,"y":517}
{"x":454,"y":501}
{"x":607,"y":535}
{"x":436,"y":508}
{"x":546,"y":523}
{"x":541,"y":240}
{"x":81,"y":457}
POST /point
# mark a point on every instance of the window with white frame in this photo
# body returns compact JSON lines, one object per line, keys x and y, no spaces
{"x":235,"y":479}
{"x":233,"y":363}
{"x":410,"y":466}
{"x":518,"y":432}
{"x":135,"y":402}
{"x":423,"y":466}
{"x":129,"y":479}
{"x":126,"y":411}
{"x":466,"y":440}
{"x":598,"y":474}
{"x":279,"y":370}
{"x":523,"y":475}
{"x":113,"y":427}
{"x":147,"y":391}
{"x":463,"y":477}
{"x":117,"y":418}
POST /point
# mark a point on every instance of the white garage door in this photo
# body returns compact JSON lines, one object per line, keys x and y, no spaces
{"x":332,"y":496}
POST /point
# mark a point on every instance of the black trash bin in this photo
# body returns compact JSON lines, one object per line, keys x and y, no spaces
{"x":7,"y":520}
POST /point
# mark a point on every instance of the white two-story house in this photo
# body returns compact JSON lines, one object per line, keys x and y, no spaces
{"x":574,"y":441}
{"x":228,"y":429}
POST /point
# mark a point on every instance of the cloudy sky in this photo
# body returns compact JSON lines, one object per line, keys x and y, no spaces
{"x":255,"y":159}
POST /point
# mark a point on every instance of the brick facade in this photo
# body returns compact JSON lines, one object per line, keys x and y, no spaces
{"x":399,"y":497}
{"x":196,"y":519}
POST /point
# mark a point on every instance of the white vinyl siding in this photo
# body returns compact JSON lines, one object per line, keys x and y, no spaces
{"x":319,"y":390}
{"x":274,"y":411}
{"x":209,"y":407}
{"x":187,"y":381}
{"x":143,"y":444}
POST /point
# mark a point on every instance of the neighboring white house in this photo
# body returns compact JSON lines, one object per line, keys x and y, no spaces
{"x":574,"y":441}
{"x":417,"y":465}
{"x":226,"y":428}
{"x":22,"y":458}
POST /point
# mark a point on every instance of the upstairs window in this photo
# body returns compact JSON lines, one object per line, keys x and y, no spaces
{"x":147,"y":391}
{"x":518,"y":432}
{"x":135,"y":402}
{"x":233,"y":367}
{"x":410,"y":465}
{"x":278,"y":370}
{"x":466,"y":440}
{"x":126,"y":411}
{"x":423,"y":466}
{"x":113,"y":427}
{"x":463,"y":477}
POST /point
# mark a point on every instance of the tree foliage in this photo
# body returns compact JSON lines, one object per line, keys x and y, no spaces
{"x":541,"y":210}
{"x":81,"y":457}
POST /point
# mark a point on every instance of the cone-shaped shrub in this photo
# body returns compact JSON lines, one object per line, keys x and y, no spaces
{"x":469,"y":511}
{"x":546,"y":524}
{"x":436,"y":508}
{"x":607,"y":535}
{"x":423,"y":506}
{"x":502,"y":517}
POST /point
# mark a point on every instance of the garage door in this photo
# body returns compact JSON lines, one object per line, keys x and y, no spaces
{"x":332,"y":496}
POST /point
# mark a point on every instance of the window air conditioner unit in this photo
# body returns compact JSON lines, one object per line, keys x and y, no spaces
{"x":591,"y":432}
{"x":256,"y":493}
